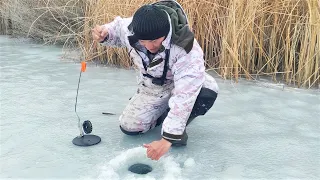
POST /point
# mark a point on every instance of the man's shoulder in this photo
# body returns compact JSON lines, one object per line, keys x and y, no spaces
{"x":180,"y":52}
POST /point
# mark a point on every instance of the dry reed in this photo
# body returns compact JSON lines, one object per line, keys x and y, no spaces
{"x":242,"y":38}
{"x":49,"y":21}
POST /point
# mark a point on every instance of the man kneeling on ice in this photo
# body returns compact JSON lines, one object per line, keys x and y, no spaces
{"x":173,"y":85}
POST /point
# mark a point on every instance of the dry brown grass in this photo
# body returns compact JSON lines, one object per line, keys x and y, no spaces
{"x":49,"y":21}
{"x":242,"y":38}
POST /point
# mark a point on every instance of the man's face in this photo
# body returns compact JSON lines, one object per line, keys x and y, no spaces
{"x":152,"y":45}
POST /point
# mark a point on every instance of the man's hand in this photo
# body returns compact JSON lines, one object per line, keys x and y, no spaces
{"x":99,"y":33}
{"x":156,"y":149}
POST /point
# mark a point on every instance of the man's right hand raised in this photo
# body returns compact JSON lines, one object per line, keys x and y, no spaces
{"x":99,"y":33}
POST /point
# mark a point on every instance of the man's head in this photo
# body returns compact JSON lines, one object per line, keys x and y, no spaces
{"x":150,"y":25}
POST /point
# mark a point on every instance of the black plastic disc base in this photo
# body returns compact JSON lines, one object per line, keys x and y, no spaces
{"x":140,"y":168}
{"x":86,"y":140}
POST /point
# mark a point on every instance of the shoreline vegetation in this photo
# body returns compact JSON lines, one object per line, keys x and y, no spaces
{"x":247,"y":39}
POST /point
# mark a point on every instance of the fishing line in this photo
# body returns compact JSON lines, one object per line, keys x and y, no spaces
{"x":75,"y":106}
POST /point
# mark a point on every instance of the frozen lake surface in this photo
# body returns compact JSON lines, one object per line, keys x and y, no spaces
{"x":254,"y":131}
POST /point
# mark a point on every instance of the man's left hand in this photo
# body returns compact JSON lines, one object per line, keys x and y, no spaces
{"x":156,"y":149}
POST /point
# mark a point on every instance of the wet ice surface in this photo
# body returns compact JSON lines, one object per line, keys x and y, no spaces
{"x":252,"y":132}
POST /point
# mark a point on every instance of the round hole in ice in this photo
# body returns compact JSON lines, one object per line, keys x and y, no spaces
{"x":117,"y":168}
{"x":140,"y":168}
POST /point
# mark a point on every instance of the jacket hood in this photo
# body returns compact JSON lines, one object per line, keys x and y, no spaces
{"x":180,"y":33}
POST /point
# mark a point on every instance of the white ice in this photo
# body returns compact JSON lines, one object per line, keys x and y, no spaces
{"x":255,"y":130}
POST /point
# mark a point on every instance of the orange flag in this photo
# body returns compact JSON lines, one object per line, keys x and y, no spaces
{"x":83,"y":66}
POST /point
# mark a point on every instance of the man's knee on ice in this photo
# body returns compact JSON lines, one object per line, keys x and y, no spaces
{"x":131,"y":133}
{"x":130,"y":126}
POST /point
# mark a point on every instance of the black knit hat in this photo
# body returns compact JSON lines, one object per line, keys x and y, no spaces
{"x":150,"y":22}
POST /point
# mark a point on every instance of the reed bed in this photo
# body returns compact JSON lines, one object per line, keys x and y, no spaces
{"x":241,"y":39}
{"x":49,"y":21}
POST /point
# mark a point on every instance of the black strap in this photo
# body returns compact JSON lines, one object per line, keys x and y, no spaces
{"x":160,"y":81}
{"x":144,"y":63}
{"x":166,"y":64}
{"x":148,"y":76}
